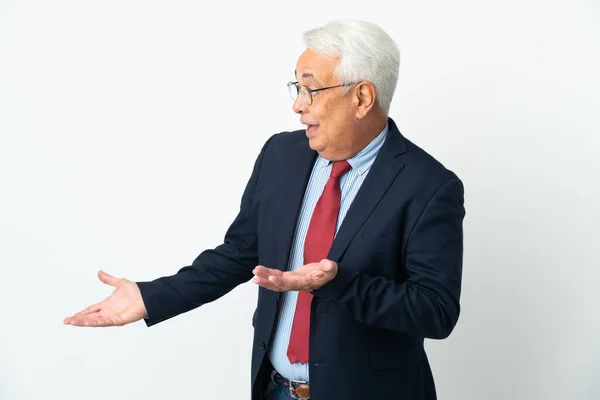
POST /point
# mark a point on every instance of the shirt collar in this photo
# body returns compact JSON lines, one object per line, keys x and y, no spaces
{"x":363,"y":160}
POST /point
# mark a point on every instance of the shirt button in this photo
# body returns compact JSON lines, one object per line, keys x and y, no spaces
{"x":262,"y":346}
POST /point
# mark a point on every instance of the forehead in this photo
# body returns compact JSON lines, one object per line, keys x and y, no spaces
{"x":316,"y":67}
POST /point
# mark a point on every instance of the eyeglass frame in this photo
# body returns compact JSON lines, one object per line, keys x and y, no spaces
{"x":311,"y":91}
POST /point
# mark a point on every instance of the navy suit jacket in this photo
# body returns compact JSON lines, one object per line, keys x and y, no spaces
{"x":399,"y":252}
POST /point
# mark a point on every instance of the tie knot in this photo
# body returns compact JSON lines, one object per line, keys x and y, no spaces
{"x":340,"y":168}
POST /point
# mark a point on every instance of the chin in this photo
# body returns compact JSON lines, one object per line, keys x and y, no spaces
{"x":316,"y":145}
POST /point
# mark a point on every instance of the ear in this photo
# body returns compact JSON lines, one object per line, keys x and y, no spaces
{"x":366,"y":98}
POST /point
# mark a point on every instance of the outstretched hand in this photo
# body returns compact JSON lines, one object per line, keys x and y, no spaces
{"x":307,"y":277}
{"x":123,"y":306}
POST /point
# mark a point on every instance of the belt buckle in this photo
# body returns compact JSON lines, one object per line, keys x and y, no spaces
{"x":300,"y":393}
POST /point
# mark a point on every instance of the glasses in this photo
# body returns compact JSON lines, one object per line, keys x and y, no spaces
{"x":306,"y":92}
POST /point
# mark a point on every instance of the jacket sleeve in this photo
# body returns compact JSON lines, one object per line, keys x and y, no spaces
{"x":426,"y":304}
{"x":214,"y":272}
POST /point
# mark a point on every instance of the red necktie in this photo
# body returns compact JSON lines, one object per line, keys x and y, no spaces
{"x":319,"y":238}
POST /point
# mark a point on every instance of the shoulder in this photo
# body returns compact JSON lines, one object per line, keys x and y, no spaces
{"x":419,"y":164}
{"x":422,"y":174}
{"x":425,"y":165}
{"x":284,"y":146}
{"x":287,"y":139}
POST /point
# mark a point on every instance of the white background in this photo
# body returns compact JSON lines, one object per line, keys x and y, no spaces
{"x":129,"y":130}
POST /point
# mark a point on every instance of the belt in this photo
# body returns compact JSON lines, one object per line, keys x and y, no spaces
{"x":298,"y":389}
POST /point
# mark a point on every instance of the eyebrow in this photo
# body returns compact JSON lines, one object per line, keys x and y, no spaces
{"x":308,"y":75}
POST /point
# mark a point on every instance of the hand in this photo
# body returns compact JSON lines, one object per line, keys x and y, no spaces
{"x":307,"y":277}
{"x":122,"y":307}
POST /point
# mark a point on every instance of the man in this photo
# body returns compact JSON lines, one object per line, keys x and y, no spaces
{"x":344,"y":318}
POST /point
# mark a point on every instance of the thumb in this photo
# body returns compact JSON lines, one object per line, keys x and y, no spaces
{"x":327,"y":265}
{"x":108,"y":279}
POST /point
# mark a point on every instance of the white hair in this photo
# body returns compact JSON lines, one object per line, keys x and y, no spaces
{"x":366,"y":52}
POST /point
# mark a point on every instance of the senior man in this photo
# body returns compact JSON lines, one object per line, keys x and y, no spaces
{"x":353,"y":233}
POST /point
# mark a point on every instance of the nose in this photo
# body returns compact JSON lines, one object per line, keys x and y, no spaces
{"x":299,"y":105}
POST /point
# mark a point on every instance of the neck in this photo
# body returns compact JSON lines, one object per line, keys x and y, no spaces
{"x":369,"y":131}
{"x":366,"y":131}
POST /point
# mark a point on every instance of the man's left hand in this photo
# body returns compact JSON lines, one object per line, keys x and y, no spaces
{"x":307,"y":277}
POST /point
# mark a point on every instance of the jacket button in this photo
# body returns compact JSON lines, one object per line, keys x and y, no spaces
{"x":262,"y":346}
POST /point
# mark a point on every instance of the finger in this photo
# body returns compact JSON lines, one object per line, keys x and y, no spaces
{"x":105,"y":316}
{"x":262,"y":270}
{"x":290,"y":281}
{"x":107,"y":278}
{"x":279,"y":282}
{"x":91,"y":309}
{"x":93,"y":320}
{"x":327,"y":266}
{"x":80,"y":316}
{"x":261,"y":273}
{"x":264,"y":274}
{"x":266,"y":284}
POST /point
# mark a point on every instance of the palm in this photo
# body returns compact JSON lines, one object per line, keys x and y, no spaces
{"x":307,"y":277}
{"x":123,"y":306}
{"x":303,"y":277}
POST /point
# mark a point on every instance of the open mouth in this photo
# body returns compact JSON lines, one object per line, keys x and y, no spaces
{"x":311,"y":130}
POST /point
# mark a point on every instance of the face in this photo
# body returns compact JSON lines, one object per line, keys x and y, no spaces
{"x":331,"y":121}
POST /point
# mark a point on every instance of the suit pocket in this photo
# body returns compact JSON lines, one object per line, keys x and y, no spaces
{"x":395,"y":358}
{"x":388,"y":350}
{"x":326,"y":306}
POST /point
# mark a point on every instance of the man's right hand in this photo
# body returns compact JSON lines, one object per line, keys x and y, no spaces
{"x":123,"y":306}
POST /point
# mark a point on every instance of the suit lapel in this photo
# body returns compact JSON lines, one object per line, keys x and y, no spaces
{"x":384,"y":170}
{"x":293,"y":187}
